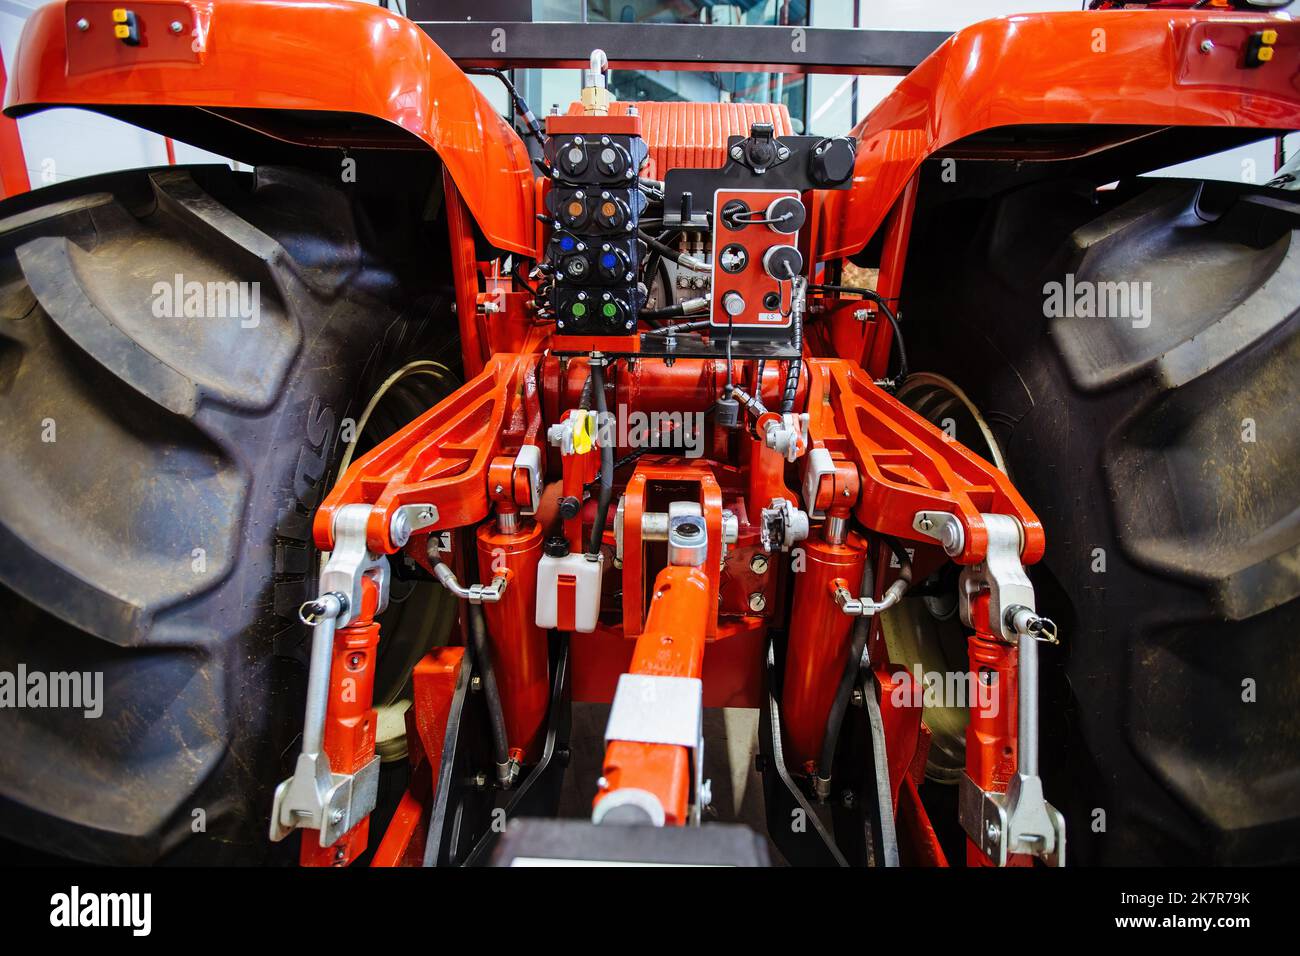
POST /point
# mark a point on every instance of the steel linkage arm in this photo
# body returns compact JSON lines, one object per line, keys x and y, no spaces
{"x":434,"y":472}
{"x":907,"y":466}
{"x":917,"y":483}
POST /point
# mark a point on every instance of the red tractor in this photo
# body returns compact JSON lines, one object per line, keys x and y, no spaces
{"x":953,"y":450}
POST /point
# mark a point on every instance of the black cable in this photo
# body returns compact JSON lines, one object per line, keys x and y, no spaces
{"x":664,"y":250}
{"x":525,"y":113}
{"x":584,"y":398}
{"x":674,"y":329}
{"x":849,"y":676}
{"x":491,"y":693}
{"x":654,"y":263}
{"x":903,"y":368}
{"x":795,"y":370}
{"x":606,"y":494}
{"x":861,"y":629}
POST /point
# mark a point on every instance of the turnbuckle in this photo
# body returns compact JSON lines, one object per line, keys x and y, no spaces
{"x":1020,"y":821}
{"x":315,"y":797}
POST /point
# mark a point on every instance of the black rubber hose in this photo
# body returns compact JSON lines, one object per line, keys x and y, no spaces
{"x":796,"y":367}
{"x":903,"y":369}
{"x":606,"y":493}
{"x":840,"y":703}
{"x":525,"y":112}
{"x":483,"y":658}
{"x":694,"y":326}
{"x":584,"y":398}
{"x":668,"y":252}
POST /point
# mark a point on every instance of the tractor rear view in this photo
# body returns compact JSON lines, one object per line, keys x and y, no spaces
{"x":953,"y":451}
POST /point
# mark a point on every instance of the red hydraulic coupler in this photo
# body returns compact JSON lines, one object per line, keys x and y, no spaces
{"x":519,"y":648}
{"x":820,"y":635}
{"x":991,"y":734}
{"x":671,"y":645}
{"x":350,"y":721}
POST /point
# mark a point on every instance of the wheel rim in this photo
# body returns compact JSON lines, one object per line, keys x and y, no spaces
{"x":927,"y":632}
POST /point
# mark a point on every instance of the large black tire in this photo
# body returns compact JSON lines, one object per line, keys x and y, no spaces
{"x":1162,"y":459}
{"x":157,"y":484}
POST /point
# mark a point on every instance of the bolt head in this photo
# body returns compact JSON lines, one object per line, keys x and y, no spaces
{"x":400,"y":529}
{"x":176,"y":26}
{"x":926,"y":524}
{"x":83,"y":24}
{"x":1207,"y":46}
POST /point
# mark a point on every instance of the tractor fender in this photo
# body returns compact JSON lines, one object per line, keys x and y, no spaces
{"x":1140,"y":68}
{"x":236,"y":76}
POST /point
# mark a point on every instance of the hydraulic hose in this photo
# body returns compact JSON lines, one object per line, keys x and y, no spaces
{"x":606,"y":493}
{"x":496,"y":716}
{"x":861,"y":629}
{"x":796,"y":363}
{"x":877,"y":298}
{"x":835,"y":717}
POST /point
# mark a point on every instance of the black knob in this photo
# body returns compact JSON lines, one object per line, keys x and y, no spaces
{"x":782,"y":262}
{"x":786,"y":215}
{"x":569,"y":507}
{"x":831,"y":161}
{"x":572,"y":157}
{"x":556,"y":546}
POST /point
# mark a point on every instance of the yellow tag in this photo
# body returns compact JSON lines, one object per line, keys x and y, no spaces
{"x":121,"y":31}
{"x":1265,"y":54}
{"x":1268,"y":37}
{"x":583,"y":440}
{"x":119,"y":15}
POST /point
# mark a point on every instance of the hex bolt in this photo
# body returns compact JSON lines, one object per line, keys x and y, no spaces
{"x":758,"y":564}
{"x":176,"y":26}
{"x":757,"y":602}
{"x":476,"y":683}
{"x":926,"y":523}
{"x":1207,"y":46}
{"x":336,"y":817}
{"x":400,"y":528}
{"x":994,"y":831}
{"x":83,"y":24}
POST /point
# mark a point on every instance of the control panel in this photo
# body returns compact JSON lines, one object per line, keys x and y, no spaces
{"x":594,"y":207}
{"x":755,"y":259}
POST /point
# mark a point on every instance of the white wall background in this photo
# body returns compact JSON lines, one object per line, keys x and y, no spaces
{"x":66,"y":144}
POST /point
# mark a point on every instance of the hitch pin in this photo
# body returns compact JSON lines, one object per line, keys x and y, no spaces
{"x":1024,"y":621}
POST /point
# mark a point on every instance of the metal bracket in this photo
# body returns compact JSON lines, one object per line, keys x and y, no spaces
{"x":649,"y":709}
{"x":351,"y":560}
{"x":408,"y":519}
{"x":944,"y":528}
{"x":1018,"y":821}
{"x":1002,"y":575}
{"x":529,"y":460}
{"x":317,"y":799}
{"x":819,"y":465}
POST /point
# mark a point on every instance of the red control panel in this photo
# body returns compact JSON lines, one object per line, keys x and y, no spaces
{"x":755,"y":257}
